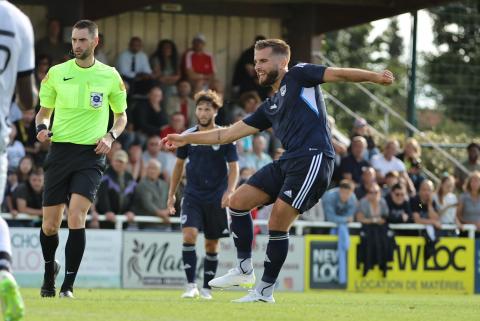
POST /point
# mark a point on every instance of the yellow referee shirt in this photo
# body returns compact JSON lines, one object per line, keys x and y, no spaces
{"x":81,"y":98}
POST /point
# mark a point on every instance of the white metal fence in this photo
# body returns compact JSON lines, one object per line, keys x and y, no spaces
{"x":299,"y":225}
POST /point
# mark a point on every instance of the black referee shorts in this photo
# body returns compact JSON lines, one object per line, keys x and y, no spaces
{"x":71,"y":168}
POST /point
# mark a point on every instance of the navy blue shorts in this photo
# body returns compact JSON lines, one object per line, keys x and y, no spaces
{"x":210,"y":218}
{"x":299,"y":182}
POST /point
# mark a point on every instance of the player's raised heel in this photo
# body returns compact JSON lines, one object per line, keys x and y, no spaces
{"x":234,"y":277}
{"x":10,"y":298}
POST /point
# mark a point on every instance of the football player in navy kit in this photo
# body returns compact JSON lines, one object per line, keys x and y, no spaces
{"x":295,"y":182}
{"x":212,"y":175}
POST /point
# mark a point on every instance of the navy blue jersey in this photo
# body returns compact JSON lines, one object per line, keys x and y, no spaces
{"x":297,"y":113}
{"x":207,"y":171}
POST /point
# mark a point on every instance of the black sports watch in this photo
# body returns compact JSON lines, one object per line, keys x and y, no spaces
{"x":113,"y":135}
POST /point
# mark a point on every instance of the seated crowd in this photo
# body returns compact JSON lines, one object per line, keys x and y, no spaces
{"x":369,"y":186}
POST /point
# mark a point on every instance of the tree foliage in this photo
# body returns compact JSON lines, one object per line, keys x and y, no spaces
{"x":454,"y":71}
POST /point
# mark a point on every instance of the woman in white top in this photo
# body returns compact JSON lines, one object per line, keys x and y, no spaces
{"x":447,"y":201}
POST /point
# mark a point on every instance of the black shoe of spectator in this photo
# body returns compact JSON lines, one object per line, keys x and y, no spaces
{"x":48,"y":288}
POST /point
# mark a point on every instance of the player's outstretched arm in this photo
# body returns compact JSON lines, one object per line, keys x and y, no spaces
{"x":211,"y":137}
{"x":333,"y":74}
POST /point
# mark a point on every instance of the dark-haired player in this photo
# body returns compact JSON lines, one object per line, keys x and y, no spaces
{"x":212,"y":174}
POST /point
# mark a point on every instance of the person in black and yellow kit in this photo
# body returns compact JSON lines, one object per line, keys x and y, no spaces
{"x":80,"y":91}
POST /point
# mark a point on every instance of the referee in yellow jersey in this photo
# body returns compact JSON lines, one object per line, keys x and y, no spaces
{"x":81,"y":91}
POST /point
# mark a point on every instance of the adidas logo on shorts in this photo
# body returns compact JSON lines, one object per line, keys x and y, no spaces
{"x":288,"y":193}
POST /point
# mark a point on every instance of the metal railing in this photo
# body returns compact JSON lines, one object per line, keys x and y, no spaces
{"x":299,"y":225}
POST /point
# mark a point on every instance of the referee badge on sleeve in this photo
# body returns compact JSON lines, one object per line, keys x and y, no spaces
{"x":96,"y":99}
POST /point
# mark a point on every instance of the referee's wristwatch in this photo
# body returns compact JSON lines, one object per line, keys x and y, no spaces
{"x":113,"y":135}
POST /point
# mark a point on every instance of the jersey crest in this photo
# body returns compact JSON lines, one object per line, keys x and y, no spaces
{"x":96,"y":99}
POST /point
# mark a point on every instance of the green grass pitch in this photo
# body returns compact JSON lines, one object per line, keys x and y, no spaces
{"x":160,"y":305}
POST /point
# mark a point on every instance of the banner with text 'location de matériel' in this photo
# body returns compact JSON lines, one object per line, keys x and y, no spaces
{"x":450,"y":270}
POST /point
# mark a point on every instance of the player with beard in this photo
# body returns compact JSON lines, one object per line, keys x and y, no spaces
{"x":81,"y":91}
{"x":295,"y":182}
{"x":212,"y":175}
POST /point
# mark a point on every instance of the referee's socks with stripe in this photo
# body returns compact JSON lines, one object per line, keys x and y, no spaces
{"x":73,"y":256}
{"x":242,"y":233}
{"x":277,"y":250}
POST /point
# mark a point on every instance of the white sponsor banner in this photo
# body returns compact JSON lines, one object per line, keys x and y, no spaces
{"x":100,"y":265}
{"x":154,"y":259}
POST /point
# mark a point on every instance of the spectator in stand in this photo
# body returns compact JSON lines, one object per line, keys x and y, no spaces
{"x":100,"y":53}
{"x":151,"y":193}
{"x":25,"y":167}
{"x":339,"y":204}
{"x":10,"y":204}
{"x":369,"y":177}
{"x":447,"y":201}
{"x":166,"y":69}
{"x":387,"y":162}
{"x":412,"y":153}
{"x":135,"y":161}
{"x":416,"y":176}
{"x":245,"y":174}
{"x":340,"y":145}
{"x":199,"y":65}
{"x":177,"y":125}
{"x":399,"y":210}
{"x":116,"y":190}
{"x":116,"y":145}
{"x":351,"y":166}
{"x":183,"y":103}
{"x":372,"y":209}
{"x":258,"y":158}
{"x":244,"y":77}
{"x":424,"y":207}
{"x":250,"y":101}
{"x":133,"y":66}
{"x":150,"y":117}
{"x":242,"y":154}
{"x":15,"y":150}
{"x":391,"y":179}
{"x":42,"y":65}
{"x":468,"y":210}
{"x":154,"y":151}
{"x":26,"y":132}
{"x":52,"y":45}
{"x":29,"y":194}
{"x":471,"y":164}
{"x":278,"y":153}
{"x":361,"y":128}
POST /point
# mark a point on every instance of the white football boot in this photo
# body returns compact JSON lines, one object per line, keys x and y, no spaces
{"x":206,"y":294}
{"x":191,"y":291}
{"x":254,"y":296}
{"x":234,"y":277}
